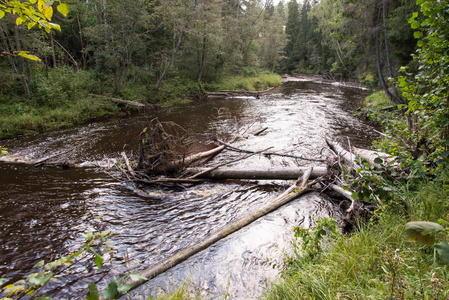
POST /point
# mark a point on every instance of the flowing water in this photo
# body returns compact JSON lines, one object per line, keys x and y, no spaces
{"x":43,"y":211}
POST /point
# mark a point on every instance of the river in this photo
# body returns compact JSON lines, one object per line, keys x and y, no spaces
{"x":43,"y":211}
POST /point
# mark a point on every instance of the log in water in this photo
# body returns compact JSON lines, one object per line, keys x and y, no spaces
{"x":289,"y":173}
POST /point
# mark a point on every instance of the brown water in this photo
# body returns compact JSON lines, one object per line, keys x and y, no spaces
{"x":44,"y":211}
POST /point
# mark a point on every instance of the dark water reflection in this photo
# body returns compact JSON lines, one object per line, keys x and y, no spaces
{"x":43,"y":211}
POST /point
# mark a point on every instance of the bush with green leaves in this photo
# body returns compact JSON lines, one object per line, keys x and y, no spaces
{"x":309,"y":242}
{"x":427,"y":91}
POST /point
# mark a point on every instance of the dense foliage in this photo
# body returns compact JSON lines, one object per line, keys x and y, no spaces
{"x":144,"y":50}
{"x":366,"y":39}
{"x":146,"y":42}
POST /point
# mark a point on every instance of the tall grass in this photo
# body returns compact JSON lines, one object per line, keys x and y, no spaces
{"x":378,"y":261}
{"x":19,"y":118}
{"x":257,"y":82}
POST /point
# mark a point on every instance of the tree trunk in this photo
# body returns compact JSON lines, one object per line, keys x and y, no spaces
{"x":21,"y":68}
{"x":175,"y":49}
{"x":267,"y":174}
{"x":170,"y":61}
{"x":393,"y":99}
{"x":52,"y":45}
{"x":5,"y":38}
{"x":387,"y":50}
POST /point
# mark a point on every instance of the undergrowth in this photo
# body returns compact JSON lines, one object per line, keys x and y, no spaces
{"x":63,"y":98}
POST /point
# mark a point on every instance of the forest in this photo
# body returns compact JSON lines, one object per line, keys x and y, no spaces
{"x":158,"y":52}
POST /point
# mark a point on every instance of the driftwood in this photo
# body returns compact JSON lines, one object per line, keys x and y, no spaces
{"x":260,"y":131}
{"x":298,"y":188}
{"x":198,"y":174}
{"x":128,"y":165}
{"x":370,"y":156}
{"x":185,"y":162}
{"x":246,"y":93}
{"x":268,"y":154}
{"x":121,"y":101}
{"x":348,"y":157}
{"x":56,"y":160}
{"x":279,"y":173}
{"x":353,"y":209}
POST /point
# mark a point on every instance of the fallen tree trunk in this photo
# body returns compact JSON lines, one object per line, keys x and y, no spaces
{"x":193,"y":158}
{"x":279,"y":173}
{"x":291,"y":193}
{"x":348,"y":157}
{"x":371,"y":156}
{"x":267,"y":154}
{"x":260,"y":131}
{"x":232,"y":93}
{"x":121,"y":101}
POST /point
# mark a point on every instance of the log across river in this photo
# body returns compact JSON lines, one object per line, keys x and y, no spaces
{"x":49,"y":208}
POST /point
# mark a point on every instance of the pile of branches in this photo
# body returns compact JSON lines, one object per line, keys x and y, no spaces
{"x":160,"y":145}
{"x":163,"y":151}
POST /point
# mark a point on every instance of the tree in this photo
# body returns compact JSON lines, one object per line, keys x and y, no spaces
{"x":27,"y":14}
{"x":18,"y":13}
{"x":427,"y":91}
{"x":292,"y":30}
{"x":272,"y":37}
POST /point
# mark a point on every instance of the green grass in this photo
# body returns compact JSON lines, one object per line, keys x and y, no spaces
{"x":378,"y":261}
{"x":64,"y":98}
{"x":21,"y":118}
{"x":186,"y":291}
{"x":258,"y":82}
{"x":377,"y":100}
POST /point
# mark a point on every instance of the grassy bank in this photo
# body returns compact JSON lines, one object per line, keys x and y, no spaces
{"x":65,"y":98}
{"x":378,"y":261}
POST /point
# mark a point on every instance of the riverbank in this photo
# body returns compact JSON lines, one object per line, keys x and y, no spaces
{"x":66,"y":98}
{"x":377,"y":261}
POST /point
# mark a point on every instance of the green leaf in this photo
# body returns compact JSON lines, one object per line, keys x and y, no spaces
{"x":39,"y":264}
{"x":443,"y":222}
{"x":20,"y":20}
{"x":135,"y":276}
{"x":111,"y":290}
{"x":2,"y":14}
{"x":63,"y":8}
{"x":88,"y":236}
{"x":99,"y":261}
{"x":423,"y":232}
{"x":378,"y":160}
{"x":44,"y":298}
{"x":417,"y":34}
{"x":38,"y":279}
{"x":93,"y":292}
{"x":414,"y":24}
{"x":3,"y":280}
{"x":445,"y":154}
{"x":355,"y":196}
{"x":123,"y":288}
{"x":443,"y":251}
